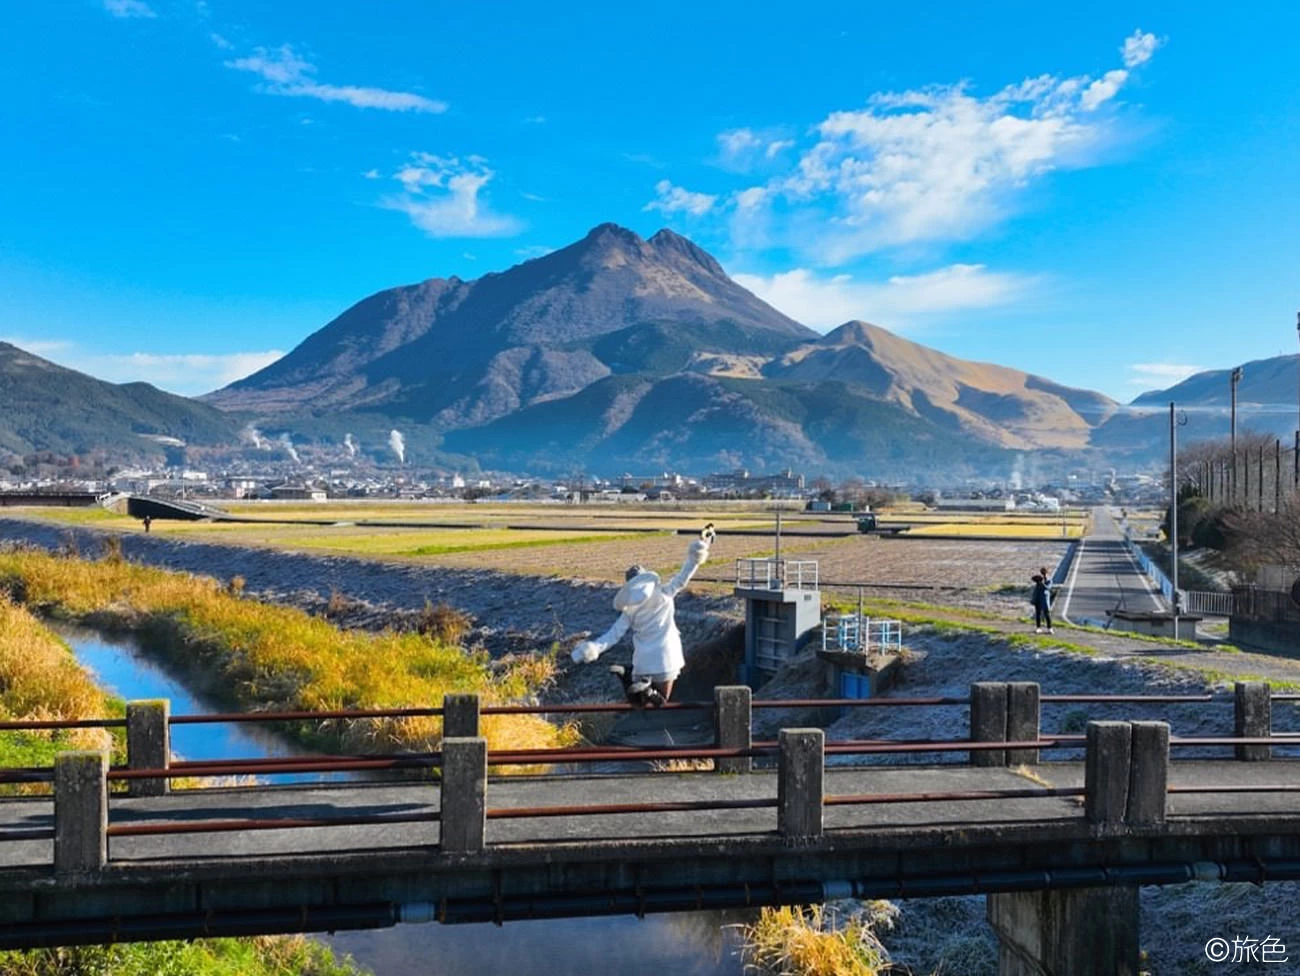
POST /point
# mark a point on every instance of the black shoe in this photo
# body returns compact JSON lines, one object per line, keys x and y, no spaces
{"x":620,"y":672}
{"x":638,"y":691}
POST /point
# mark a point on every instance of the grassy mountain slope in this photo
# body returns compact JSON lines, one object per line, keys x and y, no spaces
{"x":48,"y":407}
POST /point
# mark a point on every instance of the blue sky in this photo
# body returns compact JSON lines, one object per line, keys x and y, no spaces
{"x":1106,"y":196}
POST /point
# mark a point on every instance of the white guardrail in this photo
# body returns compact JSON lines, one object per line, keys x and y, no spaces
{"x":776,"y":574}
{"x":1205,"y":602}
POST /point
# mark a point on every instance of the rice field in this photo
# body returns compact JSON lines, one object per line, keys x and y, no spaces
{"x":599,"y":542}
{"x":1002,"y":530}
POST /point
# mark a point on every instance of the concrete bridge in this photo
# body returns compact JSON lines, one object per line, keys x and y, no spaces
{"x":1060,"y":847}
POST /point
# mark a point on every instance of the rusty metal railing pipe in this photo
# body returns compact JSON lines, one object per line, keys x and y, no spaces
{"x":282,"y":823}
{"x":604,"y":809}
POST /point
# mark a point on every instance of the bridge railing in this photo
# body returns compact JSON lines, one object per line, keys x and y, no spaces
{"x":997,"y":712}
{"x":1126,"y":784}
{"x":1005,"y":729}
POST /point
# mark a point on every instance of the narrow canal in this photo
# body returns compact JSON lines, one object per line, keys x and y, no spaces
{"x":689,"y":944}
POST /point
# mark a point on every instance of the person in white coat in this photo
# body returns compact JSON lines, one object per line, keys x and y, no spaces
{"x":646,"y":607}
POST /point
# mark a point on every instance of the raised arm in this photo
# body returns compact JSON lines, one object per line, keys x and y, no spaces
{"x":588,"y":650}
{"x":696,"y":556}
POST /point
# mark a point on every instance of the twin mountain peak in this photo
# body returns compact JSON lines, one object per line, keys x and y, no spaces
{"x":623,"y":353}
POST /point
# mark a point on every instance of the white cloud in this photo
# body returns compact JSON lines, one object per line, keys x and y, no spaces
{"x":902,"y":301}
{"x":674,"y":199}
{"x":286,"y":73}
{"x":533,"y":251}
{"x":933,"y":164}
{"x":535,"y":120}
{"x":1138,"y":48}
{"x":129,"y":8}
{"x":737,"y":147}
{"x":1161,"y":374}
{"x":220,"y":42}
{"x":441,"y":196}
{"x":187,"y":374}
{"x":754,"y":196}
{"x":372,"y":174}
{"x":742,"y":149}
{"x":1103,"y":89}
{"x":37,"y":347}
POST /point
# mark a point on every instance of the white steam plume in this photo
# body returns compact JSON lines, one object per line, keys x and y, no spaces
{"x":252,"y":436}
{"x":287,"y":444}
{"x":350,"y":444}
{"x":398,"y":444}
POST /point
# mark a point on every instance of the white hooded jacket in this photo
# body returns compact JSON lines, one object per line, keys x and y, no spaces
{"x":645,"y":606}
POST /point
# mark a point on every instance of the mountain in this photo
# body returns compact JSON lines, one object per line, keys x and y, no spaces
{"x":48,"y":407}
{"x":1266,"y":397}
{"x":704,"y":423}
{"x":620,"y":353}
{"x":448,"y":352}
{"x":1266,"y":403}
{"x":999,"y":405}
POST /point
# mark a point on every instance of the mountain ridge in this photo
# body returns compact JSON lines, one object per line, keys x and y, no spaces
{"x":550,"y":338}
{"x":618,"y":350}
{"x":48,"y":407}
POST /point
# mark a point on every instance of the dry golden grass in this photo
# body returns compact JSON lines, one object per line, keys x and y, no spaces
{"x":816,"y":942}
{"x":260,"y":656}
{"x":1022,"y":530}
{"x":41,"y":680}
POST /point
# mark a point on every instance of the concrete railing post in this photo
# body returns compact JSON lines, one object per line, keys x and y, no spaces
{"x":801,"y":774}
{"x":1023,"y":713}
{"x":463,"y":803}
{"x":80,"y":811}
{"x":460,"y":714}
{"x":148,"y":744}
{"x":1148,"y":783}
{"x":1253,"y":718}
{"x":732,"y":712}
{"x":1106,"y":771}
{"x":988,"y":721}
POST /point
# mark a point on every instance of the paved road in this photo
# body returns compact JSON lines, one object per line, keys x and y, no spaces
{"x":355,"y":800}
{"x":1105,"y":577}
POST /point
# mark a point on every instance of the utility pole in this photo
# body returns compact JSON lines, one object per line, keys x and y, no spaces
{"x":1236,"y":378}
{"x":1259,"y":488}
{"x":1277,"y":477}
{"x":1173,"y":509}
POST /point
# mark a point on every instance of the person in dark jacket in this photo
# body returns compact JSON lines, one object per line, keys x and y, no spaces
{"x":1041,"y":601}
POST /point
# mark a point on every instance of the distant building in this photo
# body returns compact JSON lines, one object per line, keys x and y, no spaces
{"x":307,"y":493}
{"x":975,"y":504}
{"x":740,"y":482}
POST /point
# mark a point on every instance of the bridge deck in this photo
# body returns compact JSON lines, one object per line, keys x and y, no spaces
{"x":352,"y":800}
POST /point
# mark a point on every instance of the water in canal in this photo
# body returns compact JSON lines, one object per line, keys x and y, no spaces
{"x":686,"y":944}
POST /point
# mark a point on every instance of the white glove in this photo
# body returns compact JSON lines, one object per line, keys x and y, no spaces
{"x":585,"y":652}
{"x":698,"y":552}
